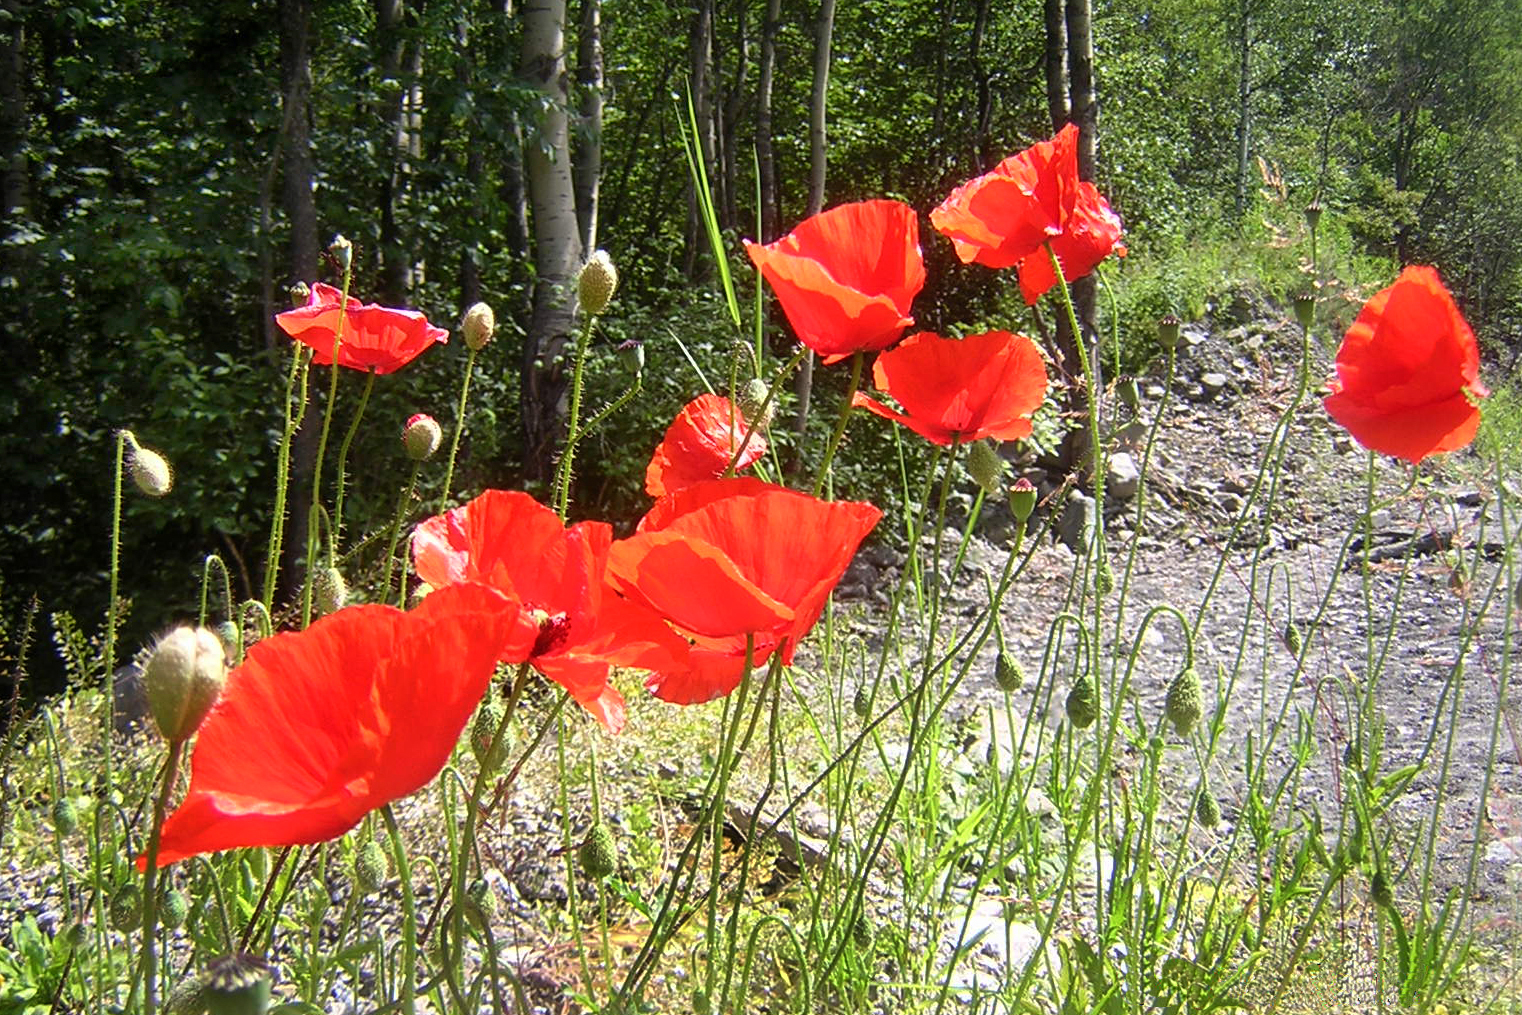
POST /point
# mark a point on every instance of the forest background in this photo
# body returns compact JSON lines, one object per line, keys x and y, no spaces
{"x":169,"y":169}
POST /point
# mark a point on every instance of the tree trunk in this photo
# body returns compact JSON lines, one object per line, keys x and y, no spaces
{"x":557,"y":243}
{"x":818,"y":159}
{"x":1244,"y":106}
{"x":1081,"y":80}
{"x":1076,"y":453}
{"x":1055,"y":63}
{"x":14,"y":204}
{"x":728,"y":124}
{"x":983,"y":115}
{"x":588,"y":166}
{"x":402,"y":65}
{"x":475,"y":172}
{"x":771,"y":205}
{"x":699,"y":57}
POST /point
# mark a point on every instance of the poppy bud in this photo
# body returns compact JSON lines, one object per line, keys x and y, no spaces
{"x":371,"y":867}
{"x":1313,"y":215}
{"x":1185,"y":702}
{"x":598,"y":280}
{"x":1082,"y":702}
{"x":985,"y":466}
{"x":237,"y":985}
{"x":598,"y":853}
{"x":65,"y":816}
{"x":488,"y":718}
{"x":1305,"y":309}
{"x":75,"y":932}
{"x":342,"y":251}
{"x":174,"y":908}
{"x":1379,"y":890}
{"x":1022,"y":499}
{"x":126,"y":910}
{"x":1167,"y":332}
{"x":634,"y":351}
{"x":1293,"y":639}
{"x":753,"y":404}
{"x":1008,"y":674}
{"x":1128,"y":392}
{"x":1104,"y":578}
{"x":861,"y":703}
{"x":185,"y":997}
{"x":149,"y":469}
{"x":183,"y":679}
{"x":480,"y":904}
{"x":423,"y":435}
{"x":299,"y":293}
{"x":1207,"y":810}
{"x":479,"y":326}
{"x":330,"y":589}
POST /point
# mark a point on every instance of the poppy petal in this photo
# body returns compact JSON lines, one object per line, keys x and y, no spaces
{"x":699,"y":445}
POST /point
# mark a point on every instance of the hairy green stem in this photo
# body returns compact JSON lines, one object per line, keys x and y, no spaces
{"x":459,"y":429}
{"x":573,"y":420}
{"x":150,"y":879}
{"x":343,"y":464}
{"x":391,"y":536}
{"x":308,"y":584}
{"x":300,"y":358}
{"x":408,"y":1000}
{"x":840,"y":423}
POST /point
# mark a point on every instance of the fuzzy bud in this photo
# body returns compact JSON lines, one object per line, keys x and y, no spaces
{"x":183,"y":679}
{"x":1293,"y":639}
{"x":1127,"y":390}
{"x":149,"y":469}
{"x":185,"y":997}
{"x":299,"y":294}
{"x":237,"y":985}
{"x":753,"y":405}
{"x":488,"y":718}
{"x":1104,"y":578}
{"x":599,"y":852}
{"x":126,"y":910}
{"x":330,"y":590}
{"x":422,"y":435}
{"x":480,"y":904}
{"x":174,"y":909}
{"x":1022,"y":499}
{"x":479,"y":325}
{"x":1008,"y":674}
{"x":861,"y":703}
{"x":598,"y":280}
{"x":701,"y":1005}
{"x":1207,"y":810}
{"x":1379,"y":890}
{"x":985,"y":466}
{"x":1082,"y":702}
{"x":371,"y":867}
{"x":342,"y":251}
{"x":1167,"y":332}
{"x":65,"y":817}
{"x":1185,"y":703}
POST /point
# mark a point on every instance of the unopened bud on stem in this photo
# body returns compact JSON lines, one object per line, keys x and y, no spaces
{"x":183,"y":679}
{"x":598,"y":280}
{"x":479,"y":325}
{"x":422,"y":437}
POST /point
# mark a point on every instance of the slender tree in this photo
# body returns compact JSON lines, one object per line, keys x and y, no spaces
{"x":771,"y":205}
{"x":588,"y":165}
{"x":824,"y":28}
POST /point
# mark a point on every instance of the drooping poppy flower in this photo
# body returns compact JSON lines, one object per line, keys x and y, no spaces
{"x":699,"y":445}
{"x":845,"y":277}
{"x":1007,"y":216}
{"x":376,"y":338}
{"x":961,"y":389}
{"x":734,"y":559}
{"x":317,"y":728}
{"x":1407,"y":371}
{"x":517,"y":546}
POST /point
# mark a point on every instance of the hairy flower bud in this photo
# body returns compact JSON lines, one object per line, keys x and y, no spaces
{"x":754,"y":406}
{"x":1168,"y":332}
{"x":1082,"y":702}
{"x":861,"y":703}
{"x":1008,"y":674}
{"x":330,"y":589}
{"x":599,"y":852}
{"x":149,"y":469}
{"x":1022,"y":499}
{"x":371,"y":867}
{"x":422,"y":436}
{"x":985,"y":466}
{"x":185,"y":998}
{"x":1185,"y":703}
{"x":174,"y":908}
{"x":1207,"y":810}
{"x":126,"y":909}
{"x":479,"y":325}
{"x":1380,"y":892}
{"x":65,"y":816}
{"x":488,"y":718}
{"x":598,"y":280}
{"x":299,"y":293}
{"x":1293,"y":639}
{"x":183,"y":679}
{"x":1104,"y":578}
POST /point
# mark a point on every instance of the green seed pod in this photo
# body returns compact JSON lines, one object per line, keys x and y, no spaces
{"x":1008,"y":674}
{"x":1294,"y":640}
{"x":183,"y":679}
{"x":342,"y":250}
{"x":371,"y":867}
{"x":1104,"y":578}
{"x":237,"y":985}
{"x":1185,"y":703}
{"x":174,"y":909}
{"x":488,"y":717}
{"x":1379,"y":890}
{"x":1082,"y":702}
{"x":599,"y":852}
{"x":1305,"y":309}
{"x":1207,"y":810}
{"x":330,"y":590}
{"x":861,"y":703}
{"x":1022,"y":499}
{"x":985,"y":466}
{"x":186,"y":997}
{"x":126,"y":910}
{"x":1168,"y":332}
{"x":753,"y":405}
{"x":1313,"y":215}
{"x":598,"y":280}
{"x":65,"y":816}
{"x":299,"y":294}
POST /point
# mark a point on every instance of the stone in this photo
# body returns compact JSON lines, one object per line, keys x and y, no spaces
{"x":1122,"y":476}
{"x":1076,"y":525}
{"x":1214,"y":383}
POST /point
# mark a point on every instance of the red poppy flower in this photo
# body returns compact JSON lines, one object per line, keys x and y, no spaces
{"x":374,"y":337}
{"x":845,"y":277}
{"x":961,"y":389}
{"x":1006,"y":216}
{"x":1407,"y":371}
{"x":317,"y":728}
{"x":519,"y":547}
{"x":699,"y":444}
{"x":731,"y":559}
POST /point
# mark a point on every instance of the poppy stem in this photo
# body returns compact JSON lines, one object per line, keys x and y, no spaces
{"x":110,"y":671}
{"x":840,"y":424}
{"x":391,"y":537}
{"x":408,"y":1000}
{"x":293,"y":418}
{"x":308,"y":584}
{"x":150,"y":878}
{"x":766,"y":405}
{"x":572,"y":432}
{"x":459,"y":428}
{"x":343,"y":462}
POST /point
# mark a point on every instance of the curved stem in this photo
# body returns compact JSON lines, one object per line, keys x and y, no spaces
{"x":293,"y":418}
{"x":150,"y":878}
{"x":840,"y":424}
{"x":343,"y":462}
{"x":408,"y":1000}
{"x":573,"y":421}
{"x":459,"y":429}
{"x":116,"y":549}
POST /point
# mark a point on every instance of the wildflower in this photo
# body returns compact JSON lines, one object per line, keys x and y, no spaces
{"x":732,"y":559}
{"x":376,"y":338}
{"x":961,"y":389}
{"x":517,"y":546}
{"x":1408,"y":371}
{"x":699,"y":445}
{"x":1006,"y":216}
{"x":359,"y":709}
{"x":845,"y":277}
